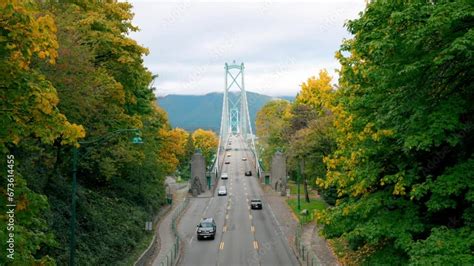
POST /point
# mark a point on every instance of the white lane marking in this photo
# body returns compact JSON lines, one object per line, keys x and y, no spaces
{"x":221,"y":247}
{"x":252,"y":229}
{"x":274,"y":218}
{"x":209,"y":204}
{"x":191,"y":240}
{"x":255,"y":244}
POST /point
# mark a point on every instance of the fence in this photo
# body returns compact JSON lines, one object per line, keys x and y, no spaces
{"x":305,"y":254}
{"x":172,"y":255}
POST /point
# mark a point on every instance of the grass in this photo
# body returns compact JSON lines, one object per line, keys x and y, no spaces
{"x":294,"y":188}
{"x":312,"y":206}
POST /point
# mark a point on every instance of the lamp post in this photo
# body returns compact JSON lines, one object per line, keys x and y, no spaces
{"x":75,"y":157}
{"x":298,"y":176}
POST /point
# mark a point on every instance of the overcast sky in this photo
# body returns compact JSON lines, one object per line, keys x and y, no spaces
{"x":281,"y":43}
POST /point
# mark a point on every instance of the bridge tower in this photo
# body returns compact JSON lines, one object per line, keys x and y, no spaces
{"x":235,"y":111}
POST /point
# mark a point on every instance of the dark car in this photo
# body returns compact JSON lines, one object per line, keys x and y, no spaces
{"x":227,"y":162}
{"x":248,"y":173}
{"x":256,"y":204}
{"x":206,"y":229}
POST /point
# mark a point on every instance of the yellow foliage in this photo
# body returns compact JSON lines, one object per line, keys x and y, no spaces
{"x":206,"y":141}
{"x":317,"y":92}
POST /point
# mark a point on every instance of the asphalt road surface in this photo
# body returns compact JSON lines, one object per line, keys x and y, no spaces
{"x":244,"y":236}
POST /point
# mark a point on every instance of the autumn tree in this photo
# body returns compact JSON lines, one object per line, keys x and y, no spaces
{"x":28,"y":109}
{"x":206,"y":141}
{"x":270,"y":122}
{"x":69,"y":71}
{"x":404,"y":162}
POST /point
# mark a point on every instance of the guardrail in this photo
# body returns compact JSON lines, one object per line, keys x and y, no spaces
{"x":172,"y":255}
{"x":305,"y":254}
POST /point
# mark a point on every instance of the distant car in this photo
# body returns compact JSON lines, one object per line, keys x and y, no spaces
{"x":227,"y":162}
{"x":244,"y":159}
{"x":206,"y":229}
{"x":224,"y":176}
{"x":248,"y":173}
{"x":222,"y":191}
{"x":228,"y":155}
{"x":256,"y":204}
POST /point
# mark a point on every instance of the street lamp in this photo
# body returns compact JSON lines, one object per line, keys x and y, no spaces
{"x":75,"y":151}
{"x":298,"y":177}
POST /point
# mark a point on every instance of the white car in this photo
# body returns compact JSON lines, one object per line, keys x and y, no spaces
{"x":222,"y":191}
{"x":244,"y":159}
{"x":228,"y":155}
{"x":224,"y":176}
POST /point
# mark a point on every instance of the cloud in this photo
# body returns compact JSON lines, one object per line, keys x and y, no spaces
{"x":281,"y":43}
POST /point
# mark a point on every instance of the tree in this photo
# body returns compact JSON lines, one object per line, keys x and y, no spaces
{"x":68,"y":68}
{"x":404,"y":162}
{"x":270,"y":121}
{"x":311,"y":133}
{"x":206,"y":141}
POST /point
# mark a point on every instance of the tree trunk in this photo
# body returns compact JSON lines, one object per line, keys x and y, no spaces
{"x":305,"y":182}
{"x":306,"y":194}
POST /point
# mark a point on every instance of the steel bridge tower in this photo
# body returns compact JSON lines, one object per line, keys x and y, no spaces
{"x":235,"y":111}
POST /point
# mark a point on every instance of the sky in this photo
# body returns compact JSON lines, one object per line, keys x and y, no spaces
{"x":281,"y":43}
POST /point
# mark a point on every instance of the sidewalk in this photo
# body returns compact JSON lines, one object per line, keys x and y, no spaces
{"x":289,"y":223}
{"x":165,"y":236}
{"x":311,"y":238}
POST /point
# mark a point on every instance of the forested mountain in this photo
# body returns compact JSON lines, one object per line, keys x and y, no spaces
{"x":204,"y":111}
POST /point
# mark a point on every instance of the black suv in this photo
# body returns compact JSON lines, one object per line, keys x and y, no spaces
{"x":256,"y":204}
{"x":206,"y":229}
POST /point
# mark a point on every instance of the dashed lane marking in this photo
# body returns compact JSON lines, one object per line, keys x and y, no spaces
{"x":227,"y":217}
{"x":255,"y":244}
{"x":221,"y":246}
{"x":250,"y":216}
{"x":252,"y":229}
{"x":224,"y":229}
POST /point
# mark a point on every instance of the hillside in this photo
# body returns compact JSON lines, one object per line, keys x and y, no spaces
{"x":204,"y":111}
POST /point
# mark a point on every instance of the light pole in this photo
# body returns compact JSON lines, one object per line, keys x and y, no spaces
{"x":298,"y":176}
{"x":75,"y":157}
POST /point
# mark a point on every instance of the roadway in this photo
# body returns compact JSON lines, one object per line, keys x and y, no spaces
{"x":244,"y":236}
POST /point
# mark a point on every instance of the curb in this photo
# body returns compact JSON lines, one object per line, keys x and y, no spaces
{"x":145,"y":256}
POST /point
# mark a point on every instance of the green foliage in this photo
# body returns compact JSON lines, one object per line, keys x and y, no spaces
{"x":403,"y":167}
{"x":270,"y":122}
{"x":303,"y":130}
{"x":67,"y":69}
{"x":30,"y":227}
